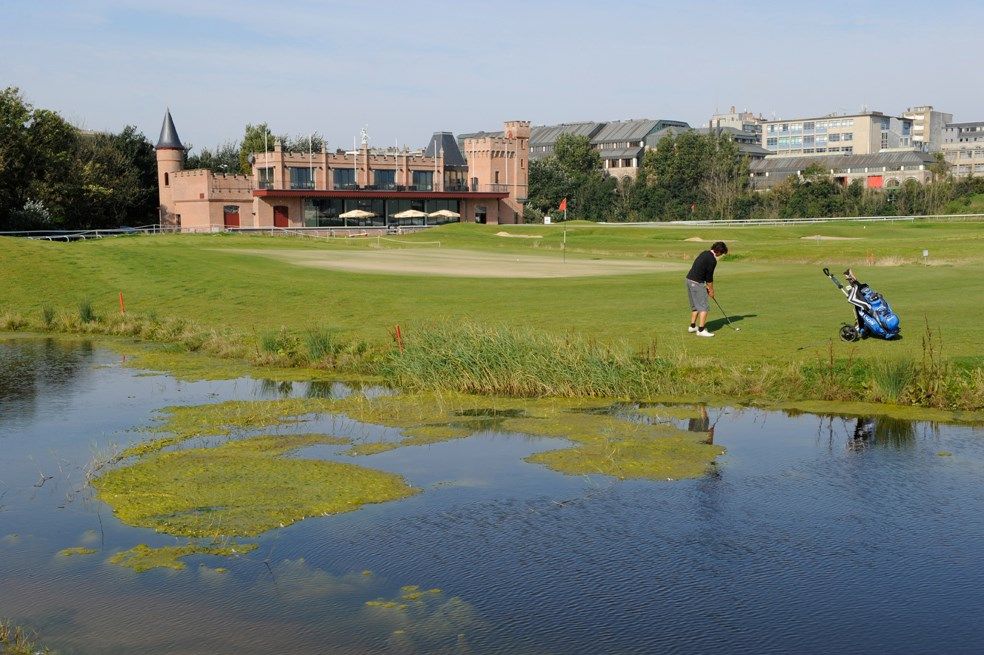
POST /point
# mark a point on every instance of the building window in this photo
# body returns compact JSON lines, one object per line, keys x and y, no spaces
{"x":301,"y":178}
{"x":167,"y":180}
{"x":344,"y":178}
{"x":496,"y":181}
{"x":384,"y":179}
{"x":264,"y":178}
{"x":424,"y":180}
{"x":847,"y":136}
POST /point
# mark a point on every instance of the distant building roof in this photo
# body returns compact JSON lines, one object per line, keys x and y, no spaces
{"x":444,"y":143}
{"x":964,"y":126}
{"x":169,"y":136}
{"x":632,"y":130}
{"x":547,"y":135}
{"x":780,"y":163}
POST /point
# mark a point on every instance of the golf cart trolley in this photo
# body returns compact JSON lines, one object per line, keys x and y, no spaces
{"x":873,"y":315}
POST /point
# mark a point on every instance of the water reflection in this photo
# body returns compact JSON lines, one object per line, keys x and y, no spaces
{"x":882,"y":431}
{"x":29,"y":369}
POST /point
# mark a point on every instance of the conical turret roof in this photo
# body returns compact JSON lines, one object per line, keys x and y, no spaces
{"x":169,"y":136}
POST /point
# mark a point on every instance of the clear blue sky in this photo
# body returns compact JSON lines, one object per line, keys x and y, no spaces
{"x":408,"y":69}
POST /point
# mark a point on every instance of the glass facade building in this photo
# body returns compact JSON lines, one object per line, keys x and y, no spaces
{"x":326,"y":212}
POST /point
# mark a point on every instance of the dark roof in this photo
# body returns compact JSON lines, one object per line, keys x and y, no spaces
{"x":169,"y":136}
{"x":547,"y":135}
{"x":444,"y":143}
{"x":617,"y":131}
{"x":753,"y":150}
{"x":777,"y":163}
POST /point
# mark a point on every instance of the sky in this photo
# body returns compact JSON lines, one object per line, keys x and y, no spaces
{"x":405,"y":69}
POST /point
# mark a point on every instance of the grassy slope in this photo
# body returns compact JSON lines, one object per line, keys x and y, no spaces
{"x":774,"y":282}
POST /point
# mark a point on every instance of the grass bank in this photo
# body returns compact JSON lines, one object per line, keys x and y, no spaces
{"x":617,"y":336}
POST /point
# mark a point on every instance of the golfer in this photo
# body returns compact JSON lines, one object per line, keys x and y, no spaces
{"x":700,"y":286}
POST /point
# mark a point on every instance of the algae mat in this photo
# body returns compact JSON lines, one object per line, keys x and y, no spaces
{"x":240,"y":488}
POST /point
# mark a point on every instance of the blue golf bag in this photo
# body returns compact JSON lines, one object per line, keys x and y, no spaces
{"x":873,"y":315}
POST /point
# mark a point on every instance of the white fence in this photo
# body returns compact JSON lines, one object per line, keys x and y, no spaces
{"x":804,"y":221}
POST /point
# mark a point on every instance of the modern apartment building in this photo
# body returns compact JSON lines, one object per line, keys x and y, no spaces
{"x":859,"y":134}
{"x":927,"y":127}
{"x":485,"y":181}
{"x":963,"y":147}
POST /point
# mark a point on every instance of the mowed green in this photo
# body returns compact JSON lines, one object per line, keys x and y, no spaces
{"x":771,"y":284}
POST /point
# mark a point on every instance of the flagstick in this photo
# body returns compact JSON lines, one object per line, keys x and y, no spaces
{"x":565,"y":238}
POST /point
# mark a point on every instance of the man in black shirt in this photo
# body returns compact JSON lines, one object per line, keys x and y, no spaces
{"x":700,"y":286}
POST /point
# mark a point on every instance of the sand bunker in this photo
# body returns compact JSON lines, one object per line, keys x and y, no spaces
{"x":519,"y":236}
{"x":459,"y":263}
{"x":699,"y":240}
{"x":820,"y":237}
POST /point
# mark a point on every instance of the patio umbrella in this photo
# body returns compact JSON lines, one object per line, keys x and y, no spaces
{"x":444,"y":213}
{"x":356,"y":213}
{"x":410,"y":213}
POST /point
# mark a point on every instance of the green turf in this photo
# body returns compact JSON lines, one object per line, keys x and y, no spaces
{"x":771,"y":284}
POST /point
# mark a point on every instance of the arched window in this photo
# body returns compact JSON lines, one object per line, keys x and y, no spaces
{"x":167,"y":180}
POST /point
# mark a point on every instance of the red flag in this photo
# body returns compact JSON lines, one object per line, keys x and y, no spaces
{"x":563,"y":205}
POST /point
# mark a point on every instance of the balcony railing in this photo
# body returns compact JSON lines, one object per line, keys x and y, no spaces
{"x":295,"y":184}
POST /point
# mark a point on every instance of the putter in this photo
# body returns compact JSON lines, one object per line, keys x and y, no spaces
{"x":736,"y":329}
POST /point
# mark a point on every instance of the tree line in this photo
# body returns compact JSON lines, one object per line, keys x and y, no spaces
{"x":703,"y":176}
{"x":55,"y":176}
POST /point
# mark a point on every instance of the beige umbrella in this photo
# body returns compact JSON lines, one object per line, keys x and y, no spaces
{"x":356,"y":213}
{"x":410,"y":213}
{"x":444,"y":213}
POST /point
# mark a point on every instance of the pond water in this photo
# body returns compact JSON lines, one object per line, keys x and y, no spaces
{"x":813,"y":534}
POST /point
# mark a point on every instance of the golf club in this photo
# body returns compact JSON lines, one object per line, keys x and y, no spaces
{"x":736,"y":329}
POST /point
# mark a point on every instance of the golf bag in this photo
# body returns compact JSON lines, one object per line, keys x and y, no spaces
{"x":873,"y":315}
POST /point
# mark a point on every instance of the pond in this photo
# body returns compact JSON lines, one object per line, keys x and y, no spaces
{"x":809,"y":534}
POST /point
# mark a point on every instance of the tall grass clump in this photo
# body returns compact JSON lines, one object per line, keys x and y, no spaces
{"x":505,"y":360}
{"x":280,"y":347}
{"x":86,"y":313}
{"x":47,"y":316}
{"x":323,"y":344}
{"x":891,"y":378}
{"x":12,"y":322}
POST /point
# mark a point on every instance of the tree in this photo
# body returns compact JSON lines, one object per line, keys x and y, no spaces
{"x":15,"y":114}
{"x":257,"y":138}
{"x":725,"y":177}
{"x":223,"y":159}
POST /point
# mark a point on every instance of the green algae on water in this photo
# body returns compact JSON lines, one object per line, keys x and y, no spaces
{"x":221,"y":419}
{"x":142,"y":557}
{"x":605,"y":442}
{"x":79,"y":550}
{"x":241,"y":488}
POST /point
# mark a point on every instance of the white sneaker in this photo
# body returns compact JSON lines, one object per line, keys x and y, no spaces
{"x":692,"y":328}
{"x":704,"y":333}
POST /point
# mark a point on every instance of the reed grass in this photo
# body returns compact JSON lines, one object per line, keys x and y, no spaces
{"x":15,"y":640}
{"x":86,"y":312}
